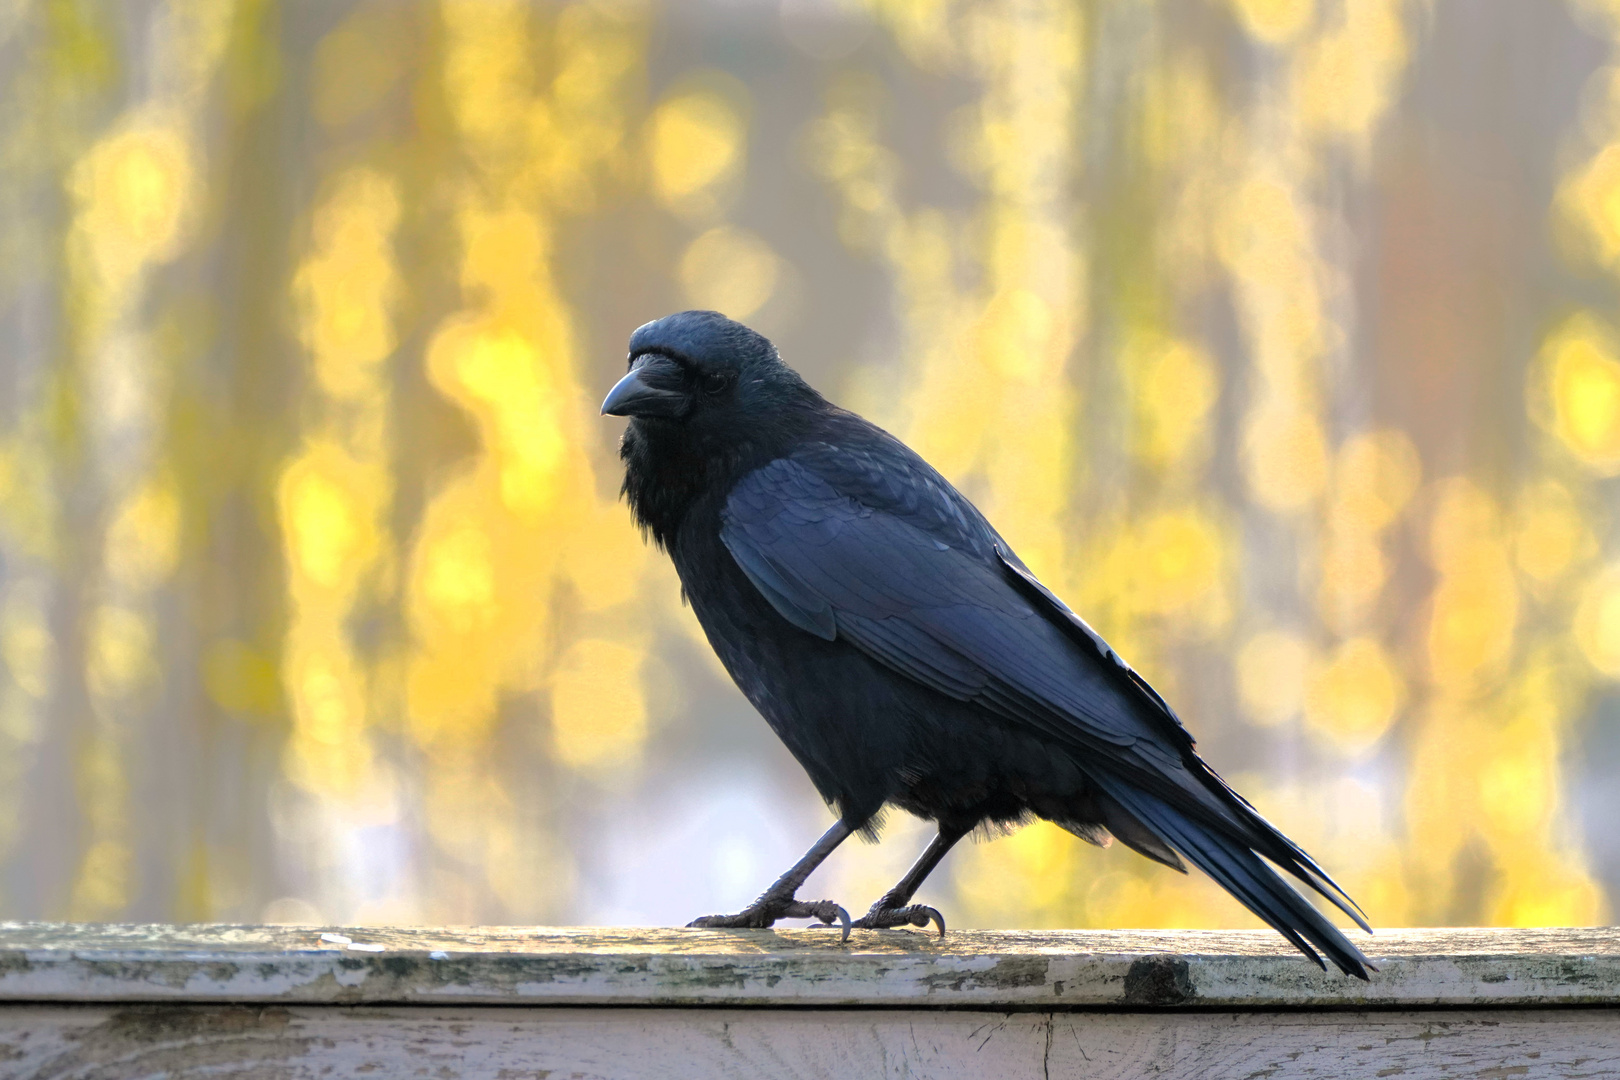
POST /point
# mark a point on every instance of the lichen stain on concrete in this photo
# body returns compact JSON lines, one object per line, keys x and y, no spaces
{"x":326,"y":988}
{"x":709,"y":977}
{"x":1009,"y":973}
{"x":168,"y":1023}
{"x":174,"y":974}
{"x":399,"y":978}
{"x":1158,"y":980}
{"x":1016,"y":972}
{"x":403,"y":968}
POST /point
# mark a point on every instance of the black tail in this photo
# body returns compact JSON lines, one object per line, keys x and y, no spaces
{"x":1237,"y":866}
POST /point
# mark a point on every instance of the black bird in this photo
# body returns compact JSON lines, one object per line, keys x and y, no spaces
{"x":904,"y":654}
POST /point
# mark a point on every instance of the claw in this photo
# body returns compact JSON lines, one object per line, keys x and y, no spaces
{"x":827,"y":912}
{"x":915,"y":915}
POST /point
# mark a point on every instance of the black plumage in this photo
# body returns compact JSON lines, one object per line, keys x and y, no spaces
{"x":900,"y":649}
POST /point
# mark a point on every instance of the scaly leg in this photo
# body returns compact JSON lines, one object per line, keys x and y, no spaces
{"x":778,"y":901}
{"x":895,"y":908}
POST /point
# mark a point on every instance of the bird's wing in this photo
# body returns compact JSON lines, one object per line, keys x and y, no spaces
{"x":881,"y":552}
{"x":873,"y":547}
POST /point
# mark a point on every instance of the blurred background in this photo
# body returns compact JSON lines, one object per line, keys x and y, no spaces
{"x":1280,"y":337}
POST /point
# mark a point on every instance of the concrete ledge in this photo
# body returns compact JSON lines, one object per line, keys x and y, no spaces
{"x":971,"y":969}
{"x":116,"y":1002}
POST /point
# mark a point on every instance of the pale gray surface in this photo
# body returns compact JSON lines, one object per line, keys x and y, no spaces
{"x":103,"y":1042}
{"x":968,"y":970}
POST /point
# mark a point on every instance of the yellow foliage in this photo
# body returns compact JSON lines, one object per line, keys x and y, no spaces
{"x":1355,"y":696}
{"x":104,"y":884}
{"x":1586,"y":397}
{"x":356,"y":65}
{"x":1175,"y":388}
{"x":598,"y":715}
{"x":1551,"y":535}
{"x":1287,"y":458}
{"x":458,"y":579}
{"x":133,"y":188}
{"x":1275,"y":22}
{"x":1348,"y":76}
{"x":696,"y":139}
{"x":1029,"y":873}
{"x":329,"y":508}
{"x":1471,"y":629}
{"x":1592,"y":197}
{"x":240,"y":678}
{"x":346,"y":288}
{"x":1271,"y":675}
{"x":1376,"y":475}
{"x":119,"y":656}
{"x":1597,"y":622}
{"x":1182,"y":556}
{"x":27,"y":646}
{"x":1353,"y":572}
{"x":143,"y":541}
{"x":729,"y":270}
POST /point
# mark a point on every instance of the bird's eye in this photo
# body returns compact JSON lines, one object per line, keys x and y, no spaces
{"x":716,"y":381}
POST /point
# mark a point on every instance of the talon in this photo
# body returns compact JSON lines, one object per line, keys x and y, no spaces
{"x":825,"y":910}
{"x":840,"y":916}
{"x":919,"y":915}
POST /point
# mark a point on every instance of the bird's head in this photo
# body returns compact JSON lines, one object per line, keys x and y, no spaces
{"x":708,"y":399}
{"x":699,"y":369}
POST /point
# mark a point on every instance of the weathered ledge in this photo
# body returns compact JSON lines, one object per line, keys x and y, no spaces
{"x":974,"y":970}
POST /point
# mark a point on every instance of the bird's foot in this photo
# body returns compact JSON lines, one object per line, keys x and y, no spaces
{"x":883,"y":918}
{"x":767,"y":909}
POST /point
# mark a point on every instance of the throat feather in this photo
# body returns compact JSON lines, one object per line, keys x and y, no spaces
{"x":663,"y":477}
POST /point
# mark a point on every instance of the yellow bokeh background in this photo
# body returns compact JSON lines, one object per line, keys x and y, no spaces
{"x":317,"y":602}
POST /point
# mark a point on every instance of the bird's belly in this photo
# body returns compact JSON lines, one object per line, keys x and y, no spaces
{"x":868,"y":736}
{"x":832,"y":707}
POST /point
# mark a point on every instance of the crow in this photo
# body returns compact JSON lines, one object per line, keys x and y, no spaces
{"x":901,"y":650}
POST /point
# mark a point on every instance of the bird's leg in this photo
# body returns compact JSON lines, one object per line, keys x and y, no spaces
{"x":895,"y":907}
{"x":778,"y":902}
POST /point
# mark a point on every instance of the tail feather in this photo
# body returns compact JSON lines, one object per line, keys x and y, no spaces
{"x":1238,"y":868}
{"x":1136,"y":836}
{"x":1269,"y":841}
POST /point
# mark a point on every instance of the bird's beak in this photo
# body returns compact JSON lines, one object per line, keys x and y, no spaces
{"x":648,"y":390}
